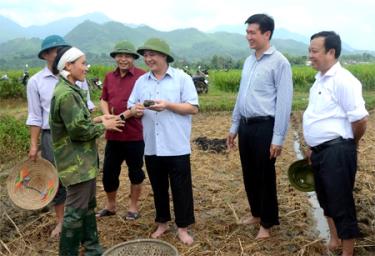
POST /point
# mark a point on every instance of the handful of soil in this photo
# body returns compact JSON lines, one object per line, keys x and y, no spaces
{"x":148,"y":103}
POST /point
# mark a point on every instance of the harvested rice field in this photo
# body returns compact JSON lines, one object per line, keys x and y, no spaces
{"x":220,"y":201}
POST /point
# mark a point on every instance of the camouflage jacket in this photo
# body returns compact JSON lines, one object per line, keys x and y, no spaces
{"x":73,"y":135}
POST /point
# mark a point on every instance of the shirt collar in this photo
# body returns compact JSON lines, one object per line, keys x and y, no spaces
{"x":331,"y":72}
{"x":269,"y":51}
{"x":47,"y":73}
{"x":170,"y":72}
{"x":74,"y":87}
{"x":131,"y":71}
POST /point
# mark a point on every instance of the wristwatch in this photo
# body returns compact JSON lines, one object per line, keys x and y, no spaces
{"x":122,"y":116}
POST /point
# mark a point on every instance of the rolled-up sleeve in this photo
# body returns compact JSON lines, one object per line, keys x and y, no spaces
{"x":349,"y":97}
{"x":189,"y":93}
{"x":134,"y":97}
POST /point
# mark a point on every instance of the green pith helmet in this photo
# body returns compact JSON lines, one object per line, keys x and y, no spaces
{"x":158,"y":45}
{"x":124,"y":47}
{"x":51,"y":41}
{"x":301,"y":175}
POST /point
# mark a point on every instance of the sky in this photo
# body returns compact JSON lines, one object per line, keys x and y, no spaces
{"x":354,"y":20}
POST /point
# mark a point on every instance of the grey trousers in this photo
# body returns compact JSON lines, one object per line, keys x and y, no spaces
{"x":47,"y":153}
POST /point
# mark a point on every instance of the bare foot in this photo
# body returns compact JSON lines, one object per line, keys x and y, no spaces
{"x":249,"y":220}
{"x":333,"y":244}
{"x":162,"y":228}
{"x":57,"y":230}
{"x":184,"y":236}
{"x":263,"y":233}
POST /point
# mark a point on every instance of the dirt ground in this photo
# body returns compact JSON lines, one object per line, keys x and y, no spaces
{"x":220,"y":201}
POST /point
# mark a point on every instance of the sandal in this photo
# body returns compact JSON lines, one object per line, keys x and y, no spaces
{"x":105,"y":213}
{"x":132,"y":215}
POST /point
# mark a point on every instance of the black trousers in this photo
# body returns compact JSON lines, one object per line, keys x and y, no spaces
{"x":175,"y":170}
{"x":259,"y":170}
{"x":335,"y":168}
{"x":116,"y":152}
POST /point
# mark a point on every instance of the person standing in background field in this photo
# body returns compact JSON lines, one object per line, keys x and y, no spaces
{"x":260,"y":118}
{"x":74,"y":136}
{"x":333,"y":123}
{"x":170,"y":98}
{"x":39,"y":93}
{"x":128,"y":144}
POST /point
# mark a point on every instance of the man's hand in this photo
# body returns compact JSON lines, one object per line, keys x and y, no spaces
{"x":159,"y":105}
{"x":231,"y":144}
{"x":137,"y":110}
{"x":33,"y":153}
{"x":275,"y":150}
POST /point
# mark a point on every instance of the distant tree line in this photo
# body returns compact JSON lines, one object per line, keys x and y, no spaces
{"x":217,"y":62}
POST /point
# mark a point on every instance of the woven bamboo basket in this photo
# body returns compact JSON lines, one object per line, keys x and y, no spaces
{"x":142,"y":247}
{"x":32,"y":184}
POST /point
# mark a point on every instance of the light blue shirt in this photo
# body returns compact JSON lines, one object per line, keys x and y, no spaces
{"x":39,"y":90}
{"x":266,"y":89}
{"x":165,"y":133}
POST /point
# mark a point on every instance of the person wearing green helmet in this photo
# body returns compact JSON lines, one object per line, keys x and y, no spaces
{"x":39,"y":93}
{"x":128,"y":144}
{"x":166,"y":97}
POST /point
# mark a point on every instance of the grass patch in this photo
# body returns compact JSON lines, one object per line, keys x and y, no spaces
{"x":216,"y":100}
{"x":14,"y":138}
{"x":12,"y":89}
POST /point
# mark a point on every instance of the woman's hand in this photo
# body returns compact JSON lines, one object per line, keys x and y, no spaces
{"x":112,"y":123}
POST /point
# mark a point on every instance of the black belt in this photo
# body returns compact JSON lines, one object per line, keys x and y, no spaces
{"x":256,"y":119}
{"x":329,"y":143}
{"x":46,"y":130}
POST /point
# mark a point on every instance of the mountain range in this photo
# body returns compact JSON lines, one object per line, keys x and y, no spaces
{"x":96,"y":34}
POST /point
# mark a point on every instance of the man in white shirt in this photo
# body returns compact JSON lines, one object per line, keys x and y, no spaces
{"x":333,"y":124}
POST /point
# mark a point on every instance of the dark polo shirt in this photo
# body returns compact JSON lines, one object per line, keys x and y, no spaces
{"x":116,"y":92}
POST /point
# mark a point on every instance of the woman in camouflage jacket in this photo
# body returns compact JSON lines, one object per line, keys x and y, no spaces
{"x":74,"y":136}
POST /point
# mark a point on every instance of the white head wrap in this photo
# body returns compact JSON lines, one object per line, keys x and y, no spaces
{"x":69,"y":56}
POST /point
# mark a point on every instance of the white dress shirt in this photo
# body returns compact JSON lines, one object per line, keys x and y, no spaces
{"x":335,"y":102}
